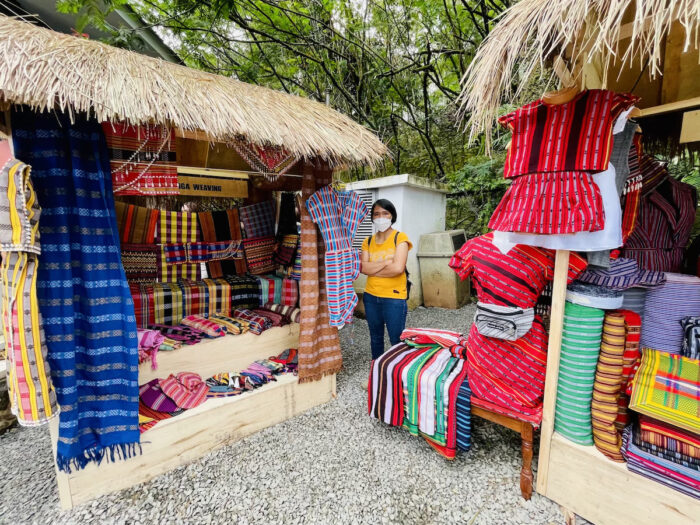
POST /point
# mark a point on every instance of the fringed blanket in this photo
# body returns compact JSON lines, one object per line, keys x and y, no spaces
{"x":83,"y":295}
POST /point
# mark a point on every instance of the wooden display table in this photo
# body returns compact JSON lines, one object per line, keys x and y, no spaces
{"x":213,"y":424}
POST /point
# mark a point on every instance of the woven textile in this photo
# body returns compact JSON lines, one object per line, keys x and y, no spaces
{"x":219,"y":293}
{"x":167,"y":303}
{"x":186,"y":389}
{"x":669,"y":437}
{"x":245,"y":291}
{"x":287,"y":221}
{"x":290,"y":292}
{"x":91,"y":341}
{"x":665,"y":307}
{"x":633,"y":299}
{"x":173,"y":228}
{"x":663,"y":471}
{"x":463,"y":416}
{"x":292,"y":314}
{"x":195,"y":298}
{"x":691,"y":337}
{"x":271,"y":161}
{"x":338,"y":214}
{"x":258,"y":219}
{"x":270,"y":289}
{"x":630,"y":362}
{"x":258,"y":254}
{"x":144,"y":308}
{"x":142,"y":159}
{"x":661,"y":452}
{"x":319,"y":346}
{"x":664,"y":222}
{"x":31,"y":391}
{"x":274,"y":318}
{"x":509,"y":373}
{"x":576,"y":135}
{"x":294,"y":272}
{"x":607,"y":386}
{"x":182,"y":334}
{"x":137,"y":225}
{"x":583,"y":330}
{"x":535,"y":418}
{"x":209,"y":326}
{"x":222,"y":226}
{"x":232,"y":326}
{"x":257,"y":324}
{"x":667,"y":387}
{"x":141,"y":262}
{"x":286,"y":250}
{"x":631,"y":193}
{"x":516,"y":278}
{"x":622,"y":274}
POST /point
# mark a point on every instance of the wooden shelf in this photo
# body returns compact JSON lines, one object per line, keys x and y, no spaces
{"x":224,"y":354}
{"x":672,"y":106}
{"x":603,"y":492}
{"x":185,"y":438}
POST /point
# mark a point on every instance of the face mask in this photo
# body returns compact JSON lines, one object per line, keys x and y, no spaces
{"x":382,"y":225}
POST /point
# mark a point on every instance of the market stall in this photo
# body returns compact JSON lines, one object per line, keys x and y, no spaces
{"x":177,"y":300}
{"x":616,"y":336}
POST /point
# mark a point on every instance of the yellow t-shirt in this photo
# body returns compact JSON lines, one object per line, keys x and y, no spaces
{"x":389,"y":287}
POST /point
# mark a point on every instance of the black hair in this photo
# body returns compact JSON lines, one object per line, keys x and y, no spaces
{"x":387,"y":205}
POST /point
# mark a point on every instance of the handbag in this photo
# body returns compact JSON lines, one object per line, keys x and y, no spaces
{"x":503,"y":322}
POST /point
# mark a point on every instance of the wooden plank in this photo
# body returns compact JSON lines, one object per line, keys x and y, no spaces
{"x":210,"y":172}
{"x":64,"y":495}
{"x":185,"y":438}
{"x":681,"y":68}
{"x":193,"y":135}
{"x":192,"y":152}
{"x":690,"y":130}
{"x":200,"y":186}
{"x":228,"y":353}
{"x":673,"y":106}
{"x":606,"y":493}
{"x":556,"y":326}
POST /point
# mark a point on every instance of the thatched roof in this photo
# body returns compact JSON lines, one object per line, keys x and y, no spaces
{"x":44,"y":69}
{"x":534,"y":31}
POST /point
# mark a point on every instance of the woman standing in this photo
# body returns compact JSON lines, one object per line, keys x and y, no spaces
{"x":384,"y":257}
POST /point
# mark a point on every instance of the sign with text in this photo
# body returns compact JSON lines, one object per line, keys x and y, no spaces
{"x":207,"y":186}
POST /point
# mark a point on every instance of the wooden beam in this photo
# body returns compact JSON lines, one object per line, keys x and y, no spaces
{"x":211,"y":172}
{"x":556,"y":328}
{"x":690,"y":130}
{"x":673,"y":106}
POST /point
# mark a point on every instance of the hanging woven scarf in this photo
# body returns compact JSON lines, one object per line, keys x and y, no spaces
{"x":83,"y":294}
{"x":271,"y":161}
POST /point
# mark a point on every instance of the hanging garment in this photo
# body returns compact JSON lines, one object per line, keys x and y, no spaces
{"x":608,"y":236}
{"x":287,"y":222}
{"x":667,"y":387}
{"x":665,"y":308}
{"x":319,"y":346}
{"x":515,"y":278}
{"x":143,"y":160}
{"x":286,"y":249}
{"x":665,"y":219}
{"x":258,"y":254}
{"x":632,"y":192}
{"x":271,"y":161}
{"x":509,"y":373}
{"x":222,"y":226}
{"x":338,"y":214}
{"x":84,"y":299}
{"x":177,"y":227}
{"x":31,"y":391}
{"x":554,"y":151}
{"x":583,"y":330}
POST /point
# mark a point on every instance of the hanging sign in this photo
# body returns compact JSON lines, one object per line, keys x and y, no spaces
{"x":212,"y":183}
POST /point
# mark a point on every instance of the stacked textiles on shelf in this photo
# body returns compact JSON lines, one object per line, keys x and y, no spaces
{"x":169,"y":303}
{"x":162,"y":399}
{"x":278,"y":290}
{"x":421,"y":385}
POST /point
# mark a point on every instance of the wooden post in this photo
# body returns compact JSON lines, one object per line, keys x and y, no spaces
{"x":556,"y":326}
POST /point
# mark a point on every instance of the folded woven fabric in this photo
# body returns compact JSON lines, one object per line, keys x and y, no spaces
{"x":257,"y":323}
{"x":275,"y":318}
{"x":667,"y":387}
{"x":209,"y":327}
{"x":669,"y":437}
{"x":258,"y":254}
{"x":258,"y":219}
{"x":186,"y":389}
{"x":443,"y":338}
{"x":286,"y":250}
{"x":184,"y":334}
{"x":149,"y":344}
{"x":291,"y":313}
{"x":233,"y":326}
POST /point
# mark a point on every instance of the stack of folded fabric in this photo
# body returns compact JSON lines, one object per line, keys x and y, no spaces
{"x":278,"y":290}
{"x":257,"y":324}
{"x":165,"y":398}
{"x":419,"y":385}
{"x":259,"y":373}
{"x":290,"y":313}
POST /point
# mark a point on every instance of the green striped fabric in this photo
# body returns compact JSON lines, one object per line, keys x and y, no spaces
{"x":583,"y":329}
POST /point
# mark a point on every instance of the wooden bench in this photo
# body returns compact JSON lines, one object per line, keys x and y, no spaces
{"x":522,"y":424}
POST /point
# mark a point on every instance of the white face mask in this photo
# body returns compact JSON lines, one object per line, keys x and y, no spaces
{"x":382,"y":224}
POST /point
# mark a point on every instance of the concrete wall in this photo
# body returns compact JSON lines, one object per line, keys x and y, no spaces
{"x":420,"y":208}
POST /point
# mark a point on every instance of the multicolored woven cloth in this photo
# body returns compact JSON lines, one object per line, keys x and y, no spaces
{"x":319,"y":346}
{"x":142,"y":159}
{"x":667,"y":387}
{"x":291,"y":313}
{"x":286,"y":250}
{"x":183,"y":334}
{"x":137,"y":225}
{"x":290,"y":292}
{"x":222,"y":226}
{"x":141,"y":262}
{"x":258,"y":254}
{"x":271,"y":161}
{"x":258,"y":219}
{"x":233,"y":326}
{"x":95,"y":376}
{"x":201,"y":252}
{"x":209,"y":326}
{"x":669,"y":437}
{"x":175,"y":228}
{"x":257,"y":324}
{"x":275,"y":318}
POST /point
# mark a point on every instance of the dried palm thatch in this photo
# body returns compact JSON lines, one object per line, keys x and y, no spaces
{"x":46,"y":70}
{"x":534,"y":31}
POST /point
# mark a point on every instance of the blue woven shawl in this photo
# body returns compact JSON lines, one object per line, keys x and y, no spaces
{"x":84,"y":299}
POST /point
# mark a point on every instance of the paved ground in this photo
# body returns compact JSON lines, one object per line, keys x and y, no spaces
{"x":331,"y":465}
